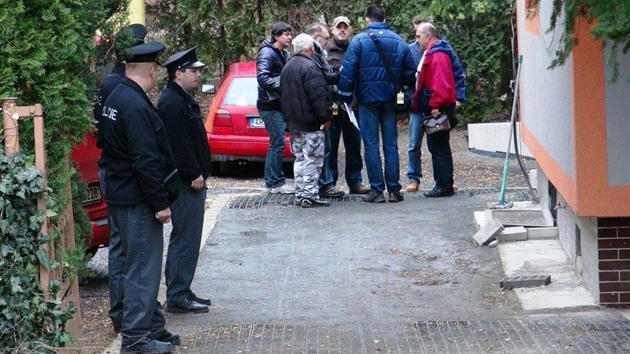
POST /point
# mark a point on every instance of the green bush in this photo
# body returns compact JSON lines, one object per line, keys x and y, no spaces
{"x":27,"y":321}
{"x":47,"y":56}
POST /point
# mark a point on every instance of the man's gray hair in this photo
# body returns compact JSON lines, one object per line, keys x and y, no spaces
{"x":302,"y":43}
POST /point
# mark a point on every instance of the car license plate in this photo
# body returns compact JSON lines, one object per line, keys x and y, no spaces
{"x":256,"y":123}
{"x":93,"y":195}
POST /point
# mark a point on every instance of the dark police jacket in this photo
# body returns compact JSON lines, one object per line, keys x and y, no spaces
{"x":137,"y":151}
{"x":306,"y":104}
{"x":107,"y":86}
{"x":184,"y":127}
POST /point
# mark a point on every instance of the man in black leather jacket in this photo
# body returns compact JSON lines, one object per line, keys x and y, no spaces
{"x":271,"y":58}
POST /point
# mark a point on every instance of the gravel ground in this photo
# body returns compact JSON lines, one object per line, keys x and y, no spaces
{"x":472,"y":171}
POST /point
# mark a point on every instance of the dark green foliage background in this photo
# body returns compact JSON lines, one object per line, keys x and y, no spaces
{"x":47,"y":56}
{"x":230,"y":30}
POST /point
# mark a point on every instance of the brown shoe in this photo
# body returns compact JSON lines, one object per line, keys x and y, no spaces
{"x":413,"y":186}
{"x":360,"y":189}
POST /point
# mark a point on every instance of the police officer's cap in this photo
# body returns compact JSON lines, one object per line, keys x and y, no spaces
{"x":138,"y":32}
{"x":182,"y":60}
{"x":129,"y":36}
{"x":145,"y":53}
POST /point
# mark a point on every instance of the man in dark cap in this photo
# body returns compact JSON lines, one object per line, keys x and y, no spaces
{"x":271,"y":58}
{"x":183,"y":122}
{"x":336,"y":48}
{"x":142,"y":182}
{"x":128,"y":37}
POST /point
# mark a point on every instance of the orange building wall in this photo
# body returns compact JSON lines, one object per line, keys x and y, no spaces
{"x":589,"y":194}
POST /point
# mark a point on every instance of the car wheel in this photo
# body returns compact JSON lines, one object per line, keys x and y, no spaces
{"x":215,"y":168}
{"x":287,"y":167}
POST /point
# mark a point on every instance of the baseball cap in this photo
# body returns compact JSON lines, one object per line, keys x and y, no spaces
{"x":339,"y":20}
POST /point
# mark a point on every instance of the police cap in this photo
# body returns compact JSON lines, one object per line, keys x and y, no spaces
{"x":182,"y":60}
{"x":129,"y":36}
{"x":145,"y":53}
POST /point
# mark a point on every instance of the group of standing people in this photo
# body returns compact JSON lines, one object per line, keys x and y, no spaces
{"x":153,"y":168}
{"x":155,"y":160}
{"x":329,"y":80}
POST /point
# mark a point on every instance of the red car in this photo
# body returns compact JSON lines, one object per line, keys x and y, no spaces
{"x":235,"y":131}
{"x":86,"y":157}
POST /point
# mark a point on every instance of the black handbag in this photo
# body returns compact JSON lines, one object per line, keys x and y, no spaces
{"x":434,"y":125}
{"x":403,"y":101}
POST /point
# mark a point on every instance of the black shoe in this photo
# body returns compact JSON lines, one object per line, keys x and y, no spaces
{"x":117,"y":326}
{"x":332,"y":193}
{"x":314,"y":203}
{"x":438,"y":192}
{"x":165,"y":336}
{"x":187,"y":306}
{"x":374,"y":197}
{"x":395,"y":197}
{"x":200,"y":300}
{"x":145,"y":345}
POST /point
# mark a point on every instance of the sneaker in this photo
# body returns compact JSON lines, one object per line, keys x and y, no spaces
{"x":438,"y":192}
{"x":374,"y":197}
{"x":360,"y":189}
{"x":413,"y":186}
{"x":395,"y":197}
{"x":298,"y":201}
{"x":284,"y":189}
{"x":314,"y":203}
{"x":145,"y":345}
{"x":332,"y":193}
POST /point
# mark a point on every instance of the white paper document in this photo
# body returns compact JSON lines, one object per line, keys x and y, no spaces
{"x":353,"y":119}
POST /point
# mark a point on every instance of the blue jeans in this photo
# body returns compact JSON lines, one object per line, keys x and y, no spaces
{"x":275,"y":126}
{"x":442,"y":159}
{"x":375,"y":115}
{"x":352,"y":142}
{"x":183,"y":247}
{"x":416,"y":132}
{"x":142,"y":240}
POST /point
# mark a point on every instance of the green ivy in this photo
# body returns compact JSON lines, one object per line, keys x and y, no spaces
{"x":27,"y":321}
{"x":613,"y":26}
{"x":47,"y":56}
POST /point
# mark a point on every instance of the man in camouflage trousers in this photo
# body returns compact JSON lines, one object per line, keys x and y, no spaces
{"x":306,"y":107}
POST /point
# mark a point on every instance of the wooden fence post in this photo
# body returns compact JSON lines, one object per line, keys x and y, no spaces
{"x":70,"y":287}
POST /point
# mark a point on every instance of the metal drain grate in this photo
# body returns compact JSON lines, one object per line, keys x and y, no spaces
{"x":268,"y":199}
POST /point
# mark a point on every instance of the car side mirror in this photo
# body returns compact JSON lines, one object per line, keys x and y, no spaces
{"x":208,"y":88}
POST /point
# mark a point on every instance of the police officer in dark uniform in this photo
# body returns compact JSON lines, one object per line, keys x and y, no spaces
{"x":130,"y":36}
{"x":142,"y":182}
{"x":184,"y":126}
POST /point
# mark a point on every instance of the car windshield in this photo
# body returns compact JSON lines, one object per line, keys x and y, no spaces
{"x":243,"y":91}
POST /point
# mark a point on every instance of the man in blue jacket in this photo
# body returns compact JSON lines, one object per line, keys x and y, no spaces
{"x":366,"y":73}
